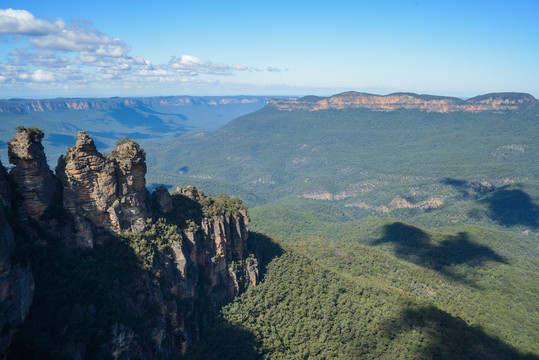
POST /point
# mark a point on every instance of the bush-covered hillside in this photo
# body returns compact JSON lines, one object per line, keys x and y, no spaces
{"x":334,"y":300}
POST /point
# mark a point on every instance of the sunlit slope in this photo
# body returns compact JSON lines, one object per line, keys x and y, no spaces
{"x":370,"y":161}
{"x":322,"y":299}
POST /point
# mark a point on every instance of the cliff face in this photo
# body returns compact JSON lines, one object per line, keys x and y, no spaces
{"x":31,"y":173}
{"x":101,"y":193}
{"x":16,"y":281}
{"x":165,"y":261}
{"x":211,"y":264}
{"x":354,"y":100}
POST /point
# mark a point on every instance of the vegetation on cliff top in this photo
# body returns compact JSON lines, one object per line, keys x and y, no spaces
{"x":156,"y":238}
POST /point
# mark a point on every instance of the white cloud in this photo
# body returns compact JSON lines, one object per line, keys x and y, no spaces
{"x":82,"y":36}
{"x":79,"y":55}
{"x":273,"y":69}
{"x":189,"y":65}
{"x":153,"y":72}
{"x":216,"y":69}
{"x":38,"y":76}
{"x":189,"y":61}
{"x":24,"y":23}
{"x":239,"y":67}
{"x":46,"y":58}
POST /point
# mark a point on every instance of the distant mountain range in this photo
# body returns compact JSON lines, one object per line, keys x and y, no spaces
{"x":109,"y":119}
{"x":345,"y":100}
{"x":350,"y":146}
{"x":60,"y":104}
{"x":396,"y":101}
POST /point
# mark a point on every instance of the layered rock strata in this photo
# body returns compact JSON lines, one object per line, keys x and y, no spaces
{"x":392,"y":102}
{"x":22,"y":106}
{"x":35,"y":181}
{"x":16,"y":280}
{"x":103,"y":193}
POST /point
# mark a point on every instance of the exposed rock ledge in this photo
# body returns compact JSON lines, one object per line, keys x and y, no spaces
{"x":355,"y":100}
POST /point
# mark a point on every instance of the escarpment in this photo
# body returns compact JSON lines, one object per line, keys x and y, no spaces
{"x":21,"y":106}
{"x":354,"y":100}
{"x":121,"y":272}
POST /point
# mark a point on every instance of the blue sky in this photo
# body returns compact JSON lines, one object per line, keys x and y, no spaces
{"x":141,"y":48}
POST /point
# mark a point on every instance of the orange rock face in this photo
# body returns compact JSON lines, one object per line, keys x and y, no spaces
{"x":392,"y":102}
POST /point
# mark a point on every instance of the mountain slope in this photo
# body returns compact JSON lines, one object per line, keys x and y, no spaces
{"x":455,"y":279}
{"x":323,"y":299}
{"x":365,"y":162}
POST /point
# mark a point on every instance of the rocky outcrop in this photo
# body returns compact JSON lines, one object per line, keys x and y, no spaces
{"x":16,"y":280}
{"x":167,"y":261}
{"x":392,"y":102}
{"x":132,"y":193}
{"x":211,"y":264}
{"x":216,"y":234}
{"x":103,"y":193}
{"x":162,"y":198}
{"x":35,"y":181}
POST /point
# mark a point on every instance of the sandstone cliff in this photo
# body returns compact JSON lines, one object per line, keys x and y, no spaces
{"x":121,"y":273}
{"x":16,"y":281}
{"x":103,"y":193}
{"x":36,"y":183}
{"x":392,"y":102}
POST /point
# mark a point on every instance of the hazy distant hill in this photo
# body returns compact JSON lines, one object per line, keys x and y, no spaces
{"x":109,"y":119}
{"x":364,"y":161}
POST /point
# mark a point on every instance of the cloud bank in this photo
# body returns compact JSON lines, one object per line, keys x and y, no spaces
{"x":78,"y":56}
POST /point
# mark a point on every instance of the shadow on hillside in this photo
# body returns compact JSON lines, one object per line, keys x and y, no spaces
{"x":83,"y":291}
{"x":265,"y":249}
{"x":225,"y":341}
{"x":415,"y":245}
{"x":183,"y":209}
{"x":505,"y":205}
{"x":448,"y":337}
{"x":133,"y":118}
{"x":469,"y":189}
{"x":510,"y":207}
